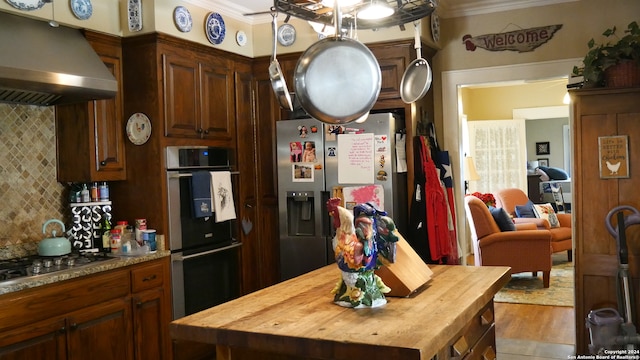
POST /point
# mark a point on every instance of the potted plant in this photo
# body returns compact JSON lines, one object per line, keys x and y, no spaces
{"x":603,"y":60}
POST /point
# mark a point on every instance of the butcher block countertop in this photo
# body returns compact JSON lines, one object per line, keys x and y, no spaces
{"x":297,"y":318}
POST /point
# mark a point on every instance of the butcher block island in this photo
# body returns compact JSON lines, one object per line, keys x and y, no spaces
{"x":451,"y":317}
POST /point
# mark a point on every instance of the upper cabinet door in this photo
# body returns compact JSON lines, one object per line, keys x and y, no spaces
{"x":181,"y":96}
{"x":90,"y":136}
{"x":217,"y":104}
{"x":109,"y":131}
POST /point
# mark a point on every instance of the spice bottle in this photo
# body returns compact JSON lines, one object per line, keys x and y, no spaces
{"x":85,"y":193}
{"x":94,"y":192}
{"x":116,"y":241}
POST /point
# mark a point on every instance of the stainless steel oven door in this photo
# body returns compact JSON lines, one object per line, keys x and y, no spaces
{"x":185,"y":230}
{"x":204,"y":279}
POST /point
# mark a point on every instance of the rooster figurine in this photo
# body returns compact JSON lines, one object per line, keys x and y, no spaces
{"x":356,"y":244}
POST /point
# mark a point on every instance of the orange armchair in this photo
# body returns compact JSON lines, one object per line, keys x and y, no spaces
{"x":522,"y":250}
{"x":561,"y":237}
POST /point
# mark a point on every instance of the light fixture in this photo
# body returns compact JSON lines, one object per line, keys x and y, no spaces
{"x":375,"y":10}
{"x":342,"y":3}
{"x":567,"y":99}
{"x":470,"y":173}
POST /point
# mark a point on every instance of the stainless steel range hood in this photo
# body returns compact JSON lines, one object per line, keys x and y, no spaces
{"x":44,"y":65}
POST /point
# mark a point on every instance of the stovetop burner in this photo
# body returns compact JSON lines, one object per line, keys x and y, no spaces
{"x":36,"y":265}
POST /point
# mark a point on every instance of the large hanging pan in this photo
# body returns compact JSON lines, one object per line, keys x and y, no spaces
{"x":337,"y":79}
{"x":275,"y":72}
{"x":416,"y":80}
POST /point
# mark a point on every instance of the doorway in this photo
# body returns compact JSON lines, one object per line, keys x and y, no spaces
{"x":452,"y":83}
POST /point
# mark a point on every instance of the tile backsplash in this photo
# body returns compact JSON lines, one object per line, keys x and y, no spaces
{"x":29,"y":191}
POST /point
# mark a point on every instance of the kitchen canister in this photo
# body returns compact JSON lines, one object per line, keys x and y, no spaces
{"x":149,"y":239}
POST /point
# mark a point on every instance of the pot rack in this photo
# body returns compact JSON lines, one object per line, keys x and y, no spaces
{"x":312,"y":10}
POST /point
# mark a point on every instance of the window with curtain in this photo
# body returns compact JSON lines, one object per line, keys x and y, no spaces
{"x":499,"y":150}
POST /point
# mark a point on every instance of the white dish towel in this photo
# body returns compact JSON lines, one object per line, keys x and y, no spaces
{"x":222,"y":195}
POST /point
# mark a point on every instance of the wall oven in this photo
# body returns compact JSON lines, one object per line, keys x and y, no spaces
{"x":204,"y":253}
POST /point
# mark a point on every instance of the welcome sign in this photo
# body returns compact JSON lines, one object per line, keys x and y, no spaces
{"x":523,"y":40}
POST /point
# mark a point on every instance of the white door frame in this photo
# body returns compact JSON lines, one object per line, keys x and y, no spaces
{"x":451,"y":117}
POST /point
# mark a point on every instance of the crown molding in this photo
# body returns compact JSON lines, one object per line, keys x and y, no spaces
{"x":457,"y":8}
{"x":233,"y":10}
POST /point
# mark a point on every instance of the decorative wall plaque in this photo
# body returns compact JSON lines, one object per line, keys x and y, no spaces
{"x":614,"y":156}
{"x":522,"y":40}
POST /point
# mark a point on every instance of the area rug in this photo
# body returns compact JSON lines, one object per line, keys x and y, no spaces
{"x":524,"y":288}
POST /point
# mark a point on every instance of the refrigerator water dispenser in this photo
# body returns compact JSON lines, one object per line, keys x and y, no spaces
{"x":300,"y":214}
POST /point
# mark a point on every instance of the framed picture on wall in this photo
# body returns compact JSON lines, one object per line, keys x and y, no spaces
{"x":543,"y":162}
{"x":542,"y":148}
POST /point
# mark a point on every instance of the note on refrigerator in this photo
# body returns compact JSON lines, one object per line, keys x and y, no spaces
{"x":354,"y":195}
{"x":356,"y":159}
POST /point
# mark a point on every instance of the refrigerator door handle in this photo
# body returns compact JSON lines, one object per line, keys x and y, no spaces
{"x":327,"y":230}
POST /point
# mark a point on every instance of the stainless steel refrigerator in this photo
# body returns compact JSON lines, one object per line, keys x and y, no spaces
{"x":316,"y":161}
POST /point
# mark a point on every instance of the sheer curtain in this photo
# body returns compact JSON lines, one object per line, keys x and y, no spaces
{"x":499,"y":149}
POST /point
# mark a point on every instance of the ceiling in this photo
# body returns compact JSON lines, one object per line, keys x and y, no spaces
{"x":446,"y":8}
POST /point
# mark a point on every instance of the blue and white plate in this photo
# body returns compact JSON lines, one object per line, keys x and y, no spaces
{"x":26,"y":4}
{"x":214,"y":28}
{"x":182,"y":18}
{"x":82,"y":9}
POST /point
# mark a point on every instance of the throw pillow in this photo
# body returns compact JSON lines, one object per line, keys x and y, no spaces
{"x":554,"y":173}
{"x":526,"y":210}
{"x":543,"y":175}
{"x":502,"y":218}
{"x":545,"y":211}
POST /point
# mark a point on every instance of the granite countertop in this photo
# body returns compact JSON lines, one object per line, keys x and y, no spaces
{"x":91,"y":268}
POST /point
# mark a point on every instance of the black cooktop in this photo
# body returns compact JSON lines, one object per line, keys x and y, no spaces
{"x":36,"y":265}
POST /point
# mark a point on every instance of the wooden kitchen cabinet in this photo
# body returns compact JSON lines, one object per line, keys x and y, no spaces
{"x":150,"y":314}
{"x":90,"y":136}
{"x":91,"y":317}
{"x":43,"y":340}
{"x":102,"y":331}
{"x":198,"y":96}
{"x":597,"y":113}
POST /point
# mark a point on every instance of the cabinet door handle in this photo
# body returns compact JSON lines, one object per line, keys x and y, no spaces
{"x":206,"y":132}
{"x":73,"y":326}
{"x":199,"y":131}
{"x":149,"y":278}
{"x":103,"y":163}
{"x":62,"y":330}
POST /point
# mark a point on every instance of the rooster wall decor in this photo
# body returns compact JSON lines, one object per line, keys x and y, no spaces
{"x":361,"y":237}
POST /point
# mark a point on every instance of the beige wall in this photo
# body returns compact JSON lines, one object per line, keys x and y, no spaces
{"x":110,"y":16}
{"x":581,"y":20}
{"x":498,"y":102}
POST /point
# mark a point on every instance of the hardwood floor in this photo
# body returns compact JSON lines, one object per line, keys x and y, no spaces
{"x":534,"y":332}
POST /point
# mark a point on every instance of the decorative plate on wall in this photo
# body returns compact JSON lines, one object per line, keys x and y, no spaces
{"x":26,"y":4}
{"x":435,"y":27}
{"x":241,"y":38}
{"x":82,"y":9}
{"x":182,"y":18}
{"x":134,"y":8}
{"x":214,"y":28}
{"x":138,"y":128}
{"x":286,"y":34}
